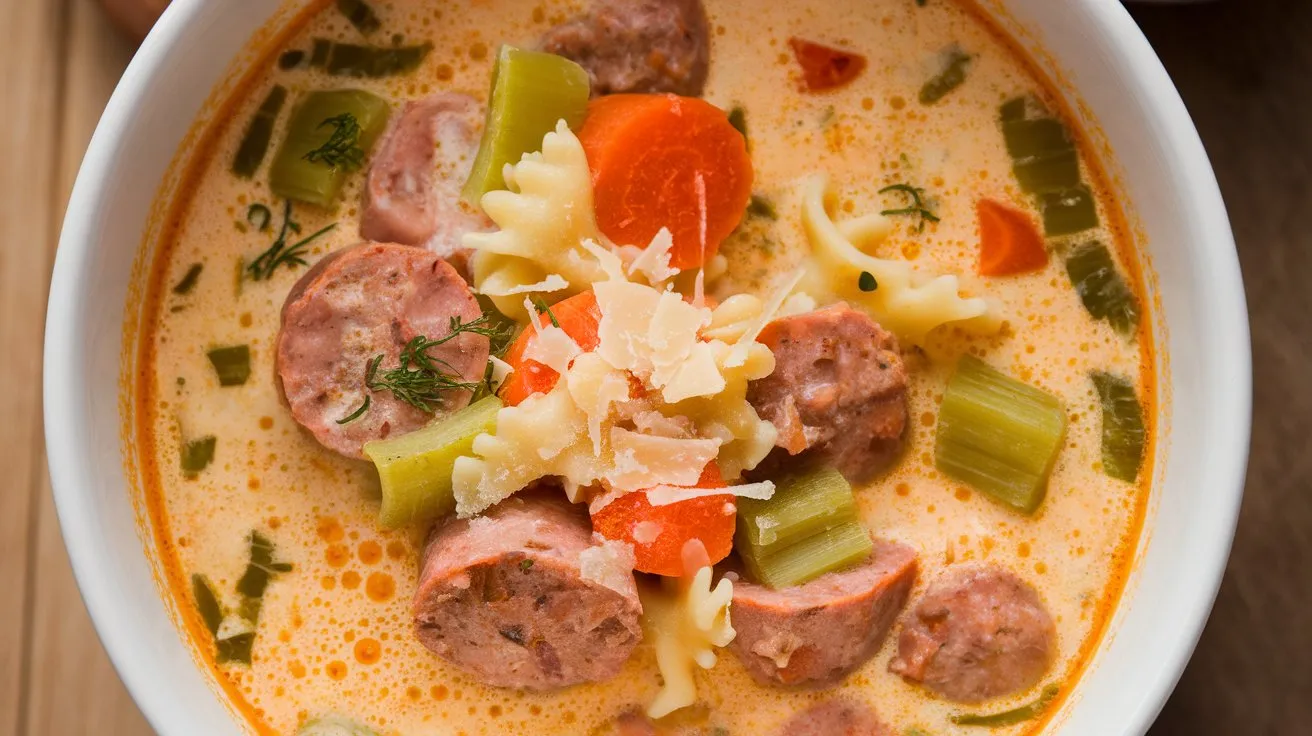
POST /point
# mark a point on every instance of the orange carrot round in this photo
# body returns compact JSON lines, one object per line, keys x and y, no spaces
{"x":579,"y":316}
{"x":1009,"y":241}
{"x":708,"y":519}
{"x":824,"y":67}
{"x":664,"y":161}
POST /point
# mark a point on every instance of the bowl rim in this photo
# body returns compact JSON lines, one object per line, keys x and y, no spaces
{"x":1182,"y":149}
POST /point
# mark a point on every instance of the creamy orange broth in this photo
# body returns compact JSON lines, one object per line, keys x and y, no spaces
{"x":335,"y":633}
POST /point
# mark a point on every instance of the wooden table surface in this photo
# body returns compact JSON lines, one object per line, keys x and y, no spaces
{"x":1243,"y":68}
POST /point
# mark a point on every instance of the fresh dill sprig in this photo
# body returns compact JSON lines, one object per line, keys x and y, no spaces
{"x":282,"y":254}
{"x":542,"y":307}
{"x":422,"y":380}
{"x":342,"y":149}
{"x":917,"y":208}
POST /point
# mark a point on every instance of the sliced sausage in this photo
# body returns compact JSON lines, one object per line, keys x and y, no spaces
{"x":515,"y":599}
{"x":816,"y":633}
{"x":837,"y":717}
{"x":639,"y":46}
{"x":358,"y":303}
{"x":412,"y":195}
{"x":838,"y":391}
{"x":978,"y":633}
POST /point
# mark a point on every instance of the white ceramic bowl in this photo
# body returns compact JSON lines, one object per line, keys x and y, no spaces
{"x":1092,"y":44}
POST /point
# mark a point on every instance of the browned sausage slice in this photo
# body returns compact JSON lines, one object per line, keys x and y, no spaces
{"x":358,"y":303}
{"x":819,"y":632}
{"x":505,"y":597}
{"x":639,"y":46}
{"x":412,"y":195}
{"x":837,"y":717}
{"x":978,"y":633}
{"x":838,"y":391}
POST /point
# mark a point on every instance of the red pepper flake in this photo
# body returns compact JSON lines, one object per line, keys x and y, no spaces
{"x":825,"y":67}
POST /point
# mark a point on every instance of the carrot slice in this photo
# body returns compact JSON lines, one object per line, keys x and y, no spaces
{"x":664,"y":530}
{"x":579,"y":316}
{"x":664,"y":161}
{"x":1009,"y":241}
{"x":825,"y":67}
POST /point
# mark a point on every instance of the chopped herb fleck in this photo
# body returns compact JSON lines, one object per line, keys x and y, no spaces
{"x":255,"y":144}
{"x":917,"y":208}
{"x":360,"y":14}
{"x":198,"y":454}
{"x":738,"y":119}
{"x":291,"y":59}
{"x":189,"y":280}
{"x":866,"y":282}
{"x":759,"y":206}
{"x":236,"y":648}
{"x":259,"y":571}
{"x":364,"y":407}
{"x":281,"y":254}
{"x":232,"y":364}
{"x":259,"y":213}
{"x":526,"y":564}
{"x":207,"y":603}
{"x":953,"y":75}
{"x":353,"y":60}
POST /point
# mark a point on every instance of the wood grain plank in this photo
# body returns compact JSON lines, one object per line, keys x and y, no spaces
{"x":30,"y":84}
{"x":67,"y":659}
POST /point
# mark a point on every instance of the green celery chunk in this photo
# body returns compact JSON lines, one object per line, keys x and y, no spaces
{"x":333,"y":726}
{"x":197,"y":454}
{"x":250,"y":153}
{"x":834,"y":549}
{"x":415,"y":468}
{"x":232,"y":364}
{"x":1123,"y":433}
{"x":531,"y":92}
{"x":802,"y":506}
{"x":1037,"y":137}
{"x":1068,"y":211}
{"x":998,"y":435}
{"x":372,"y":62}
{"x":1010,"y":717}
{"x":955,"y":64}
{"x":294,"y":175}
{"x":1048,"y":172}
{"x":1102,"y":289}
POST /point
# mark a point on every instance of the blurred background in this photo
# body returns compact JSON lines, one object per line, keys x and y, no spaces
{"x":1243,"y":68}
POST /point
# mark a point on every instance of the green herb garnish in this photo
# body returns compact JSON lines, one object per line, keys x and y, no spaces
{"x":354,"y":60}
{"x":232,"y":364}
{"x":207,"y":603}
{"x":866,"y":282}
{"x":917,"y":208}
{"x":526,"y":564}
{"x":259,"y":571}
{"x":358,"y":412}
{"x":281,"y":254}
{"x":342,"y":150}
{"x":421,"y":380}
{"x":542,"y":307}
{"x":198,"y":454}
{"x":188,"y":281}
{"x":738,"y":119}
{"x":255,"y":144}
{"x":291,"y":59}
{"x":261,"y":214}
{"x":1009,"y":717}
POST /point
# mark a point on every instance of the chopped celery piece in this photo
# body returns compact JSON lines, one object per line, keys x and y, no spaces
{"x":1038,"y":137}
{"x":955,"y":64}
{"x":333,"y":726}
{"x":998,"y":435}
{"x":232,"y":364}
{"x":415,"y":468}
{"x":1048,"y":172}
{"x":355,"y":60}
{"x":833,"y":549}
{"x":293,"y":175}
{"x":802,"y":506}
{"x":198,"y":454}
{"x":207,"y":603}
{"x":250,"y":154}
{"x":531,"y":92}
{"x":1101,"y":288}
{"x":1123,"y":433}
{"x":1068,"y":211}
{"x":1010,"y":717}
